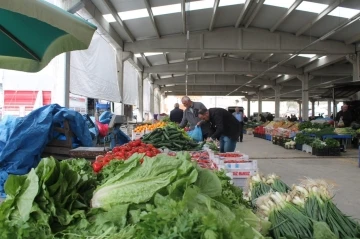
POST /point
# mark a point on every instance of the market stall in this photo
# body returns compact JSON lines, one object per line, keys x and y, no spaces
{"x":140,"y":191}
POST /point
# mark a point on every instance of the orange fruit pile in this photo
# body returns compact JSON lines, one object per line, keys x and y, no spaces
{"x":150,"y":127}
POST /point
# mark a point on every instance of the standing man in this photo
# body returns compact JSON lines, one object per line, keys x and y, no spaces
{"x":225,"y":126}
{"x":345,"y":115}
{"x":239,"y":115}
{"x":176,"y":114}
{"x":191,"y":116}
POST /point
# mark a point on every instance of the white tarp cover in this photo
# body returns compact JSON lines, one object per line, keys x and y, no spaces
{"x":146,"y":96}
{"x":157,"y":101}
{"x":130,"y":84}
{"x":93,"y":72}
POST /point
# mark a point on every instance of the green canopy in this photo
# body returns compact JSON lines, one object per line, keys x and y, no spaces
{"x":33,"y":32}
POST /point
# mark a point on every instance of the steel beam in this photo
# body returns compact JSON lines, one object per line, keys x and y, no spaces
{"x":183,"y":15}
{"x":220,"y":66}
{"x":213,"y":16}
{"x":247,"y":56}
{"x":92,"y":14}
{"x":117,"y":18}
{"x":336,"y":70}
{"x":146,"y":60}
{"x":129,"y":56}
{"x":353,"y":39}
{"x":202,"y":88}
{"x":151,"y":16}
{"x":195,"y":93}
{"x":233,"y":80}
{"x":259,"y":4}
{"x":243,"y":12}
{"x":166,"y":57}
{"x":329,"y":9}
{"x":308,"y":61}
{"x":236,"y":40}
{"x":267,"y":57}
{"x":285,"y":78}
{"x":321,"y":63}
{"x":286,"y":15}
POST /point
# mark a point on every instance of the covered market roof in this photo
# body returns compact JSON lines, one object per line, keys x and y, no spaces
{"x":234,"y":47}
{"x":341,"y":91}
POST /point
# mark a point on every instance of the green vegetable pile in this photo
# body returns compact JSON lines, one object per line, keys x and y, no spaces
{"x":260,"y":185}
{"x":46,"y":200}
{"x":164,"y":197}
{"x":304,"y":211}
{"x":212,"y":146}
{"x":172,"y":138}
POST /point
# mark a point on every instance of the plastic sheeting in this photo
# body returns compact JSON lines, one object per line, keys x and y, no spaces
{"x":23,"y":139}
{"x":93,"y":72}
{"x":130,"y":84}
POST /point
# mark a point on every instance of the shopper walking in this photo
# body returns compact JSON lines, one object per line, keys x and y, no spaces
{"x":176,"y":114}
{"x":225,"y":126}
{"x":190,"y":116}
{"x":239,"y":115}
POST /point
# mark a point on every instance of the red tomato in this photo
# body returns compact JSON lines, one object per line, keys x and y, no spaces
{"x":142,"y":144}
{"x":149,"y":154}
{"x":137,"y":142}
{"x":141,"y":150}
{"x":97,"y":167}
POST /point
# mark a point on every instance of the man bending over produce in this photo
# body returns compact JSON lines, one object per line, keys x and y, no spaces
{"x":191,"y":116}
{"x":225,"y":126}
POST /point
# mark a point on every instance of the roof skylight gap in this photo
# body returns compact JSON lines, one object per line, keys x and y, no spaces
{"x":344,"y":12}
{"x":280,"y":3}
{"x":312,"y":7}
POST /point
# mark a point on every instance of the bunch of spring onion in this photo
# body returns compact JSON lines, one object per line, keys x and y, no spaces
{"x":286,"y":219}
{"x":257,"y":187}
{"x":316,"y":198}
{"x":277,"y":184}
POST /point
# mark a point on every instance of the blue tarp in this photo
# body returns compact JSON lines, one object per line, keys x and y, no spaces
{"x":23,"y":139}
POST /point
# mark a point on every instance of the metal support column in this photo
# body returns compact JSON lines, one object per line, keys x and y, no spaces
{"x":277,"y":101}
{"x":300,"y":114}
{"x":312,"y":108}
{"x":67,"y":80}
{"x":152,"y":99}
{"x":140,"y":97}
{"x":305,"y":95}
{"x":248,"y":106}
{"x":259,"y":104}
{"x":120,"y":78}
{"x":329,"y":108}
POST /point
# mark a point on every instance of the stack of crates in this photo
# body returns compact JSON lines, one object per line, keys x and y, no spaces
{"x":239,"y":168}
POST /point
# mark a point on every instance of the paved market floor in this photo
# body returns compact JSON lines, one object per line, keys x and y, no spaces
{"x":293,"y":165}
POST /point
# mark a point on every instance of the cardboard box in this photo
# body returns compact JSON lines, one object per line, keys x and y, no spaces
{"x":135,"y":135}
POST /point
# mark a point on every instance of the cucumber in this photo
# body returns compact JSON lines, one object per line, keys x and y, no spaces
{"x":164,"y":144}
{"x":155,"y":135}
{"x":166,"y":135}
{"x":178,"y":141}
{"x":174,"y":136}
{"x":177,"y":145}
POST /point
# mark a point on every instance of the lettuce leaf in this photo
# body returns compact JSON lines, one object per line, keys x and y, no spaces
{"x":139,"y":185}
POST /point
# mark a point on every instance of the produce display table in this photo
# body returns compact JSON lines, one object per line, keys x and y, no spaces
{"x":88,"y":153}
{"x":338,"y":136}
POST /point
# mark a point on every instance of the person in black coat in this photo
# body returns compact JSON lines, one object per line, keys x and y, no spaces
{"x":224,"y":125}
{"x":176,"y":114}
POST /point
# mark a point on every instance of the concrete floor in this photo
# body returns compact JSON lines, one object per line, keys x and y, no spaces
{"x":292,"y":165}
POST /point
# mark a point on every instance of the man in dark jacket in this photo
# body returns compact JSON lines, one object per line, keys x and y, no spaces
{"x":225,"y":126}
{"x":176,"y":114}
{"x":345,"y":115}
